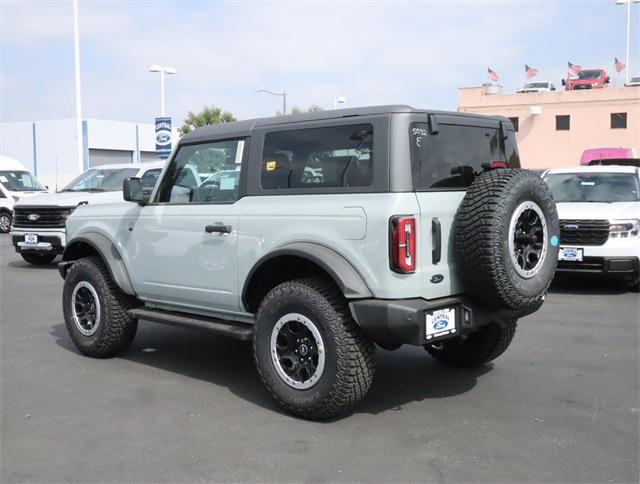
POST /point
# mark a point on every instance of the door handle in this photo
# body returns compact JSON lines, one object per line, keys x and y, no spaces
{"x":219,"y":228}
{"x":436,"y":234}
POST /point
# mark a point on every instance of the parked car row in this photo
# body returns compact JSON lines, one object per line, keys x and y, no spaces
{"x":599,"y":207}
{"x":582,"y":79}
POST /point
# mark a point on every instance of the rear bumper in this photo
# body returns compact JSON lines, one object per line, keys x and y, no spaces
{"x":403,"y":321}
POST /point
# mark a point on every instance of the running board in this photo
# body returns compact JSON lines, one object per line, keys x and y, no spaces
{"x":241,"y":331}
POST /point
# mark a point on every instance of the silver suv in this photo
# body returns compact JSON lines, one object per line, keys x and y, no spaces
{"x":318,"y":236}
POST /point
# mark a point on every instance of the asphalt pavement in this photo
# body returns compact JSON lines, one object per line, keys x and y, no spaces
{"x":561,"y":405}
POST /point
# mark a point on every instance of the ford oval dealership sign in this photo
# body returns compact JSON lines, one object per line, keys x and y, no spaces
{"x":163,"y":137}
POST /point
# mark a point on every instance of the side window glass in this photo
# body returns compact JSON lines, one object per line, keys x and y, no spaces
{"x":203,"y":173}
{"x":149,"y":178}
{"x":335,"y":156}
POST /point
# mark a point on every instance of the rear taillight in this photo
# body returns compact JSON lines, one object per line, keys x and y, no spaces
{"x":402,"y":235}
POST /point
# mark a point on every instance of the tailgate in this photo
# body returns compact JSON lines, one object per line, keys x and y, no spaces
{"x":438,"y":209}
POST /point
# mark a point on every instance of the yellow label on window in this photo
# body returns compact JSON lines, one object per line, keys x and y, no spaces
{"x":271,"y":165}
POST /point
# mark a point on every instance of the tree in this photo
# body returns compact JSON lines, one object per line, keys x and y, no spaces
{"x":314,"y":108}
{"x":209,"y":115}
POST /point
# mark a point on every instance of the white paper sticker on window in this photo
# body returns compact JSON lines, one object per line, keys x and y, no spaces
{"x":3,"y":179}
{"x":239,"y":152}
{"x":227,"y":183}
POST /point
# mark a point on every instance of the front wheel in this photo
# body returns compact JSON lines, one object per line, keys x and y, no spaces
{"x":476,"y":349}
{"x":311,"y":355}
{"x":95,"y":310}
{"x":38,"y":259}
{"x":5,"y":222}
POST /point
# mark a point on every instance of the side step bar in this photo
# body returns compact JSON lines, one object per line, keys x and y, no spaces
{"x":241,"y":331}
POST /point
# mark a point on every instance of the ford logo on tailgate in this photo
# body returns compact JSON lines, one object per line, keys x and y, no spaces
{"x":33,"y":217}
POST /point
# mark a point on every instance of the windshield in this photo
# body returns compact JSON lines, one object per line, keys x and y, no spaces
{"x":588,"y":75}
{"x":594,"y":187}
{"x":20,"y":181}
{"x":106,"y":180}
{"x":536,"y":85}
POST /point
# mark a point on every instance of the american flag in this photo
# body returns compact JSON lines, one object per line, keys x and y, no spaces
{"x":530,"y":72}
{"x":619,"y":65}
{"x":493,"y":75}
{"x":574,"y":68}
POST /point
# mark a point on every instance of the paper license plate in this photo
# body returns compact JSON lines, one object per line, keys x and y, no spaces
{"x":441,"y":323}
{"x":31,"y":238}
{"x":570,"y":254}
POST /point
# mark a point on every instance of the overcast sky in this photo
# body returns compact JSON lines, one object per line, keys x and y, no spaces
{"x":415,"y":53}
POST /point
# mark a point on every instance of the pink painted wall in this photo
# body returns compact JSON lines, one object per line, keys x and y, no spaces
{"x":541,"y":146}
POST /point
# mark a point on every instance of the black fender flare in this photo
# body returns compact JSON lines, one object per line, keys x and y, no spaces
{"x":107,"y":251}
{"x":345,"y":275}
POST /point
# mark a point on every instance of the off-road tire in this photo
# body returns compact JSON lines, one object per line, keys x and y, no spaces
{"x":476,"y":349}
{"x":38,"y":259}
{"x":482,"y":244}
{"x":350,"y":355}
{"x":115,"y":329}
{"x":5,"y":222}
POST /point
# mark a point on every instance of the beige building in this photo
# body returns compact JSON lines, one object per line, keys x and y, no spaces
{"x":554,"y":128}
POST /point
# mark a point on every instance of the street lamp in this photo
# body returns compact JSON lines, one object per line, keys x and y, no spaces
{"x":162,"y":71}
{"x":628,"y":2}
{"x":338,"y":100}
{"x":282,"y":94}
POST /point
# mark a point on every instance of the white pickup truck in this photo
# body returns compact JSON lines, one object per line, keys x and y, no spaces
{"x":38,"y":232}
{"x":599,"y":211}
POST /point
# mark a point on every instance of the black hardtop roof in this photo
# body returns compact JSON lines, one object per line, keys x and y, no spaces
{"x":244,"y":127}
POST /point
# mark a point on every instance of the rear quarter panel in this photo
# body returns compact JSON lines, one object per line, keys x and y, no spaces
{"x":354,"y":225}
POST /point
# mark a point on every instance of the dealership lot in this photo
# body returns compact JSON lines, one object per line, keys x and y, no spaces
{"x":180,"y":405}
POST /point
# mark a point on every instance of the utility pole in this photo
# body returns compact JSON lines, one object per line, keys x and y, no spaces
{"x":76,"y":62}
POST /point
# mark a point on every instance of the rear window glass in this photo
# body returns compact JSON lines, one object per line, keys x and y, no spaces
{"x":453,"y":157}
{"x":334,"y":156}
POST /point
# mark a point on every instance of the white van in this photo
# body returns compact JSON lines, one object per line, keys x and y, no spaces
{"x":6,"y":210}
{"x":18,"y":182}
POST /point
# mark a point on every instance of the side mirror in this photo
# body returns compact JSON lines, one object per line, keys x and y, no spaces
{"x":564,"y":83}
{"x":132,"y":191}
{"x":607,"y":79}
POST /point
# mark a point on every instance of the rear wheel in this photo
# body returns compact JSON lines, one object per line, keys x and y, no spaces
{"x":38,"y":259}
{"x":95,"y":310}
{"x":5,"y":222}
{"x":311,"y":355}
{"x":476,"y":349}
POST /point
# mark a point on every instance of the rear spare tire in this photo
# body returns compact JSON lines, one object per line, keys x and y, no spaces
{"x":506,"y":239}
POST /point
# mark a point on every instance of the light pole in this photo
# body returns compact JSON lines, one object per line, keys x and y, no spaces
{"x":162,"y":70}
{"x":282,"y":94}
{"x":338,"y":100}
{"x":627,"y":60}
{"x":76,"y":65}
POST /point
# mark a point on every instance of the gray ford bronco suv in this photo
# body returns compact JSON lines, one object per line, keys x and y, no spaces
{"x":318,"y":236}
